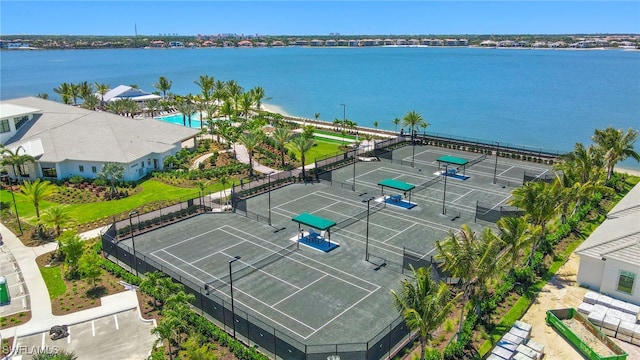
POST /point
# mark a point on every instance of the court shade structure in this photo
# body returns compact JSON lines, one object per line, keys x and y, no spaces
{"x":452,"y":160}
{"x":396,"y":185}
{"x":315,"y":222}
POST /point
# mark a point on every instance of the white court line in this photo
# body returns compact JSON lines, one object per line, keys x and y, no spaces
{"x":313,"y":260}
{"x":299,"y":290}
{"x":502,"y":172}
{"x":219,"y":251}
{"x":189,"y":239}
{"x":400,"y":232}
{"x":262,"y":271}
{"x":227,"y":295}
{"x":463,"y":195}
{"x":339,"y":315}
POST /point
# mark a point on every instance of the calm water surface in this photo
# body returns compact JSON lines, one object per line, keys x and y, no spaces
{"x":544,"y":98}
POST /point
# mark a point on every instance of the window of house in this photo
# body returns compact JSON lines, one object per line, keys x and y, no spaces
{"x":625,"y":281}
{"x":19,"y":121}
{"x":94,"y":169}
{"x":49,"y":172}
{"x":81,"y":168}
{"x":4,"y":126}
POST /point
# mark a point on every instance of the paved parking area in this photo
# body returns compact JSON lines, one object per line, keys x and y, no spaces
{"x":119,"y":336}
{"x":17,"y":289}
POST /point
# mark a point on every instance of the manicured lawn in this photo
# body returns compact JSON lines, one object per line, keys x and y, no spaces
{"x":152,"y":190}
{"x":322,"y":150}
{"x":53,"y":278}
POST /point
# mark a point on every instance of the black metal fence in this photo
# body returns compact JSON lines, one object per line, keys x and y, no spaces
{"x":548,"y":178}
{"x":252,"y":330}
{"x":493,"y":213}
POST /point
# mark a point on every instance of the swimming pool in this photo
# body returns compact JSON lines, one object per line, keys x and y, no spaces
{"x":177,"y":119}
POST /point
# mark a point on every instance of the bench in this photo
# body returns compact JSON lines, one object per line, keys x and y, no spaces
{"x":313,"y":235}
{"x":396,"y":198}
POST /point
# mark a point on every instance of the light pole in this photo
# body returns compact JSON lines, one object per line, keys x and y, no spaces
{"x":444,"y":192}
{"x":413,"y":154}
{"x":15,"y":206}
{"x":269,"y":175}
{"x":366,"y":244}
{"x":495,"y":168}
{"x":233,"y":313}
{"x":355,"y":159}
{"x":133,"y":241}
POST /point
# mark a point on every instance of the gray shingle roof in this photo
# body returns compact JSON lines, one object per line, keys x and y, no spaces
{"x":618,"y":237}
{"x":72,"y":133}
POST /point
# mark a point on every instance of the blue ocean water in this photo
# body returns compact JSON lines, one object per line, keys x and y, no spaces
{"x":542,"y":98}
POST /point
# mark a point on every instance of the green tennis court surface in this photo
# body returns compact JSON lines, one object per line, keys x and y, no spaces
{"x":313,"y":297}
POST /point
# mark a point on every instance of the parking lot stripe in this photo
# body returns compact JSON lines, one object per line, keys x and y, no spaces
{"x":93,"y":328}
{"x":43,"y":339}
{"x":116,"y":319}
{"x":69,"y":337}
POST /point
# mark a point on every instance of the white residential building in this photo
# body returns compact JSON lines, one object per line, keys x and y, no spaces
{"x":67,"y":140}
{"x":610,"y":257}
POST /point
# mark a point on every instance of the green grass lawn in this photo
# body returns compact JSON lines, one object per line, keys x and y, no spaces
{"x":152,"y":190}
{"x":322,"y":150}
{"x":53,"y":278}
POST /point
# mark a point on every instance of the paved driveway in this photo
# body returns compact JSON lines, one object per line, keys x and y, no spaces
{"x":119,"y":336}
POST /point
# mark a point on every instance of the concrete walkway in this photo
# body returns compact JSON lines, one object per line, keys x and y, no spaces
{"x":42,"y":317}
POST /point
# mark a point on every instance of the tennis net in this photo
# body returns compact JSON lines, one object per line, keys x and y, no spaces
{"x":359,"y":216}
{"x":429,"y":182}
{"x":477,"y":160}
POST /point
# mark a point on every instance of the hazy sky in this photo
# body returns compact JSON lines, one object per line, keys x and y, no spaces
{"x":318,"y":17}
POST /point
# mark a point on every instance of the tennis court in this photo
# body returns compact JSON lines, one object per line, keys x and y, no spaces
{"x":312,"y":297}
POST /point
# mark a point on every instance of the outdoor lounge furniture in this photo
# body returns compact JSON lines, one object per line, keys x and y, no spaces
{"x":313,"y":235}
{"x":396,"y":198}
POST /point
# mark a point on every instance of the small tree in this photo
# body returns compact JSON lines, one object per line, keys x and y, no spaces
{"x":112,"y":173}
{"x":72,"y":248}
{"x":89,"y":267}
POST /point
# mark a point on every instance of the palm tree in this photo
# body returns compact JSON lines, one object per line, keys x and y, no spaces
{"x":64,"y":90}
{"x":582,"y":164}
{"x":163,"y":85}
{"x":15,"y":159}
{"x":227,"y":110}
{"x":205,"y":83}
{"x":516,"y":235}
{"x":167,"y":329}
{"x":396,"y":121}
{"x":152,"y":106}
{"x":112,"y":172}
{"x":224,"y":181}
{"x":424,"y":125}
{"x":376,"y":124}
{"x":281,"y":136}
{"x":36,"y":192}
{"x":616,"y":146}
{"x":412,"y":119}
{"x":57,"y":217}
{"x":316,"y":115}
{"x":302,"y":144}
{"x":90,"y":102}
{"x":85,"y":89}
{"x":471,"y":259}
{"x":337,"y":123}
{"x":129,"y":106}
{"x":246,"y":103}
{"x":74,"y":93}
{"x":257,"y":94}
{"x":424,"y":305}
{"x":540,"y":202}
{"x":250,"y":140}
{"x":187,"y":109}
{"x":102,"y":89}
